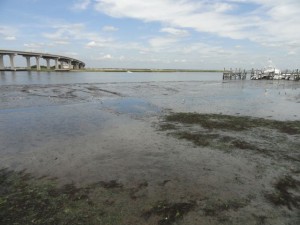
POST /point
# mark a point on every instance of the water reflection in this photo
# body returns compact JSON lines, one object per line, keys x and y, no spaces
{"x":3,"y":77}
{"x":133,"y":106}
{"x":29,"y":75}
{"x":13,"y":76}
{"x":34,"y":77}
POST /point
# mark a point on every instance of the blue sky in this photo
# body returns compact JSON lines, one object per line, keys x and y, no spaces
{"x":195,"y":34}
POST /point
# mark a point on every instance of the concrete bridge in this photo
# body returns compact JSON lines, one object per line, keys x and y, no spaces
{"x":61,"y":62}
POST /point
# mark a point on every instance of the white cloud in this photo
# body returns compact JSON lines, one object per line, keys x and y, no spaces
{"x":99,"y":42}
{"x":108,"y":56}
{"x":180,"y":60}
{"x":10,"y":38}
{"x":8,"y":33}
{"x":91,"y":44}
{"x":103,"y":57}
{"x":74,"y":54}
{"x":36,"y":47}
{"x":81,"y":5}
{"x":64,"y":34}
{"x":174,"y":31}
{"x":272,"y":22}
{"x":222,"y":7}
{"x":33,"y":45}
{"x":109,"y":28}
{"x":161,"y":42}
{"x":292,"y":52}
{"x":66,"y":31}
{"x":61,"y":42}
{"x":178,"y":13}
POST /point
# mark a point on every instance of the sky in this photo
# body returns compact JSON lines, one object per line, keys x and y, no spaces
{"x":179,"y":34}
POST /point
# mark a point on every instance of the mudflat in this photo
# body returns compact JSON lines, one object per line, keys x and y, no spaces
{"x":181,"y":152}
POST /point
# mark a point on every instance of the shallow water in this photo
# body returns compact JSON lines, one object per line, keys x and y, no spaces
{"x":131,"y":106}
{"x":28,"y":77}
{"x":90,"y":127}
{"x":54,"y":123}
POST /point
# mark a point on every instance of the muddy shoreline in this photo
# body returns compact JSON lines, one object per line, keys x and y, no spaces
{"x":150,"y":153}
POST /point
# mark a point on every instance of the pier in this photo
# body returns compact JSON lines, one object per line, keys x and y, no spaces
{"x":234,"y":75}
{"x":261,"y":74}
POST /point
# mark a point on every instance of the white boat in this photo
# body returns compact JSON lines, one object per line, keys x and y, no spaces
{"x":271,"y":72}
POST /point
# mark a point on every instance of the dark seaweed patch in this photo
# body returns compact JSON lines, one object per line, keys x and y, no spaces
{"x":28,"y":200}
{"x":199,"y":139}
{"x":283,"y":195}
{"x":233,"y":123}
{"x":243,"y":144}
{"x":216,"y":208}
{"x":229,"y":133}
{"x":170,"y":212}
{"x":111,"y":184}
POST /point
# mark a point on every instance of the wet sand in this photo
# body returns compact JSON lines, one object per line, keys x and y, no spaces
{"x":88,"y":133}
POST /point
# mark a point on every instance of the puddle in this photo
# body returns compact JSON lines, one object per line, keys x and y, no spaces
{"x":23,"y":129}
{"x":133,"y":106}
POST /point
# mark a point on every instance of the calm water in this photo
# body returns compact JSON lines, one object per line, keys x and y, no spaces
{"x":26,"y":77}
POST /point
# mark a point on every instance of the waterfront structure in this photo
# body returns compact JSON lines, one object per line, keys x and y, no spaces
{"x":60,"y":61}
{"x":237,"y":74}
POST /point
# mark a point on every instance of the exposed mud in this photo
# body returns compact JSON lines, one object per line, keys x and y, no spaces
{"x":150,"y":153}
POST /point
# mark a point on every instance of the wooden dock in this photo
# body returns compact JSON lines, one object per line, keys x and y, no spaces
{"x":291,"y":75}
{"x":237,"y":74}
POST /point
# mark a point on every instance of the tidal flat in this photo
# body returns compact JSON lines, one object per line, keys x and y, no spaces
{"x":178,"y":152}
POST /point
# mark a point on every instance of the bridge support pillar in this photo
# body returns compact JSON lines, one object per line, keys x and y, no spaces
{"x":61,"y":64}
{"x":12,"y":63}
{"x":76,"y":66}
{"x":70,"y":64}
{"x":48,"y":63}
{"x":28,"y":62}
{"x":1,"y":62}
{"x":38,"y":67}
{"x":56,"y":64}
